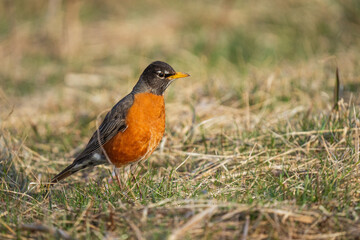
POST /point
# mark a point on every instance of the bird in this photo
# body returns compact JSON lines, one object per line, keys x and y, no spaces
{"x":133,"y":128}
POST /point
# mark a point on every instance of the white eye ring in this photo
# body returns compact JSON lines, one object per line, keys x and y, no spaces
{"x":160,"y":74}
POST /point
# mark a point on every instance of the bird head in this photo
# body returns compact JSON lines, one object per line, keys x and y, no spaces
{"x":157,"y":77}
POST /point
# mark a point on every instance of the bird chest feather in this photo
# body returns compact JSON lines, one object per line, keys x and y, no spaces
{"x":145,"y":128}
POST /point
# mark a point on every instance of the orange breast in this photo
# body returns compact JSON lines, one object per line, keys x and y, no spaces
{"x":146,"y":126}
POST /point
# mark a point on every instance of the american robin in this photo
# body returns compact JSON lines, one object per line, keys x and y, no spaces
{"x":133,"y":128}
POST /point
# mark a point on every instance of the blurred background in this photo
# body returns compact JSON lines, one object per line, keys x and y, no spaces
{"x":42,"y":41}
{"x":65,"y":61}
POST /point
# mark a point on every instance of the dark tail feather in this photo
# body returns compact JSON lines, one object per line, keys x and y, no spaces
{"x":77,"y":165}
{"x":71,"y":169}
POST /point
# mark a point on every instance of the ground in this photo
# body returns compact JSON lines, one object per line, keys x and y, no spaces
{"x":254,"y":147}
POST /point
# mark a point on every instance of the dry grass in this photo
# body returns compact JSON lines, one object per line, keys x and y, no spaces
{"x":252,"y":150}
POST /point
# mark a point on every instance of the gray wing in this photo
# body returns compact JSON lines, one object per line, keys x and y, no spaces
{"x":113,"y":123}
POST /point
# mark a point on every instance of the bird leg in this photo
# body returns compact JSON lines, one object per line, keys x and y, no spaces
{"x":116,"y":173}
{"x":133,"y":168}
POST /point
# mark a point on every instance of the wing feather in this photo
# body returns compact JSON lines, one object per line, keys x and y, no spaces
{"x":113,"y":123}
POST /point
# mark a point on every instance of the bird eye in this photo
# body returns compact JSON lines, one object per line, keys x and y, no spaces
{"x":161,"y":74}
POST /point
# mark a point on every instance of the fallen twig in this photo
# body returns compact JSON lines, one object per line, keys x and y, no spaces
{"x":47,"y":229}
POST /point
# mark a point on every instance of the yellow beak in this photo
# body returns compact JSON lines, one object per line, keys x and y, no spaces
{"x":178,"y":75}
